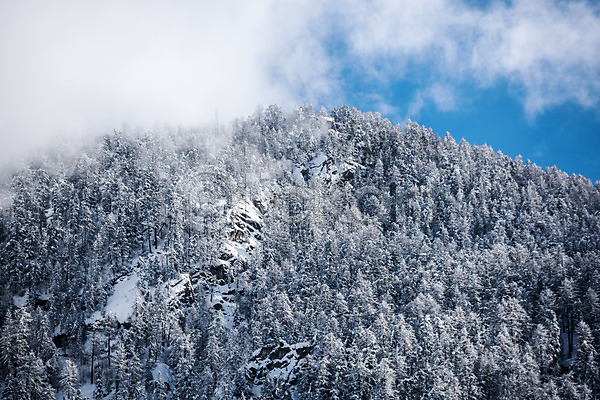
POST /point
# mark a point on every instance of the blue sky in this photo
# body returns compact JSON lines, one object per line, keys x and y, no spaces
{"x":565,"y":135}
{"x":522,"y":76}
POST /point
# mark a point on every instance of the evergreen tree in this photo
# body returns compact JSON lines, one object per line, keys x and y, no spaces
{"x":586,"y":360}
{"x":69,"y":379}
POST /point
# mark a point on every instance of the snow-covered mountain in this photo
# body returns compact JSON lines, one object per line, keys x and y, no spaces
{"x":314,"y":256}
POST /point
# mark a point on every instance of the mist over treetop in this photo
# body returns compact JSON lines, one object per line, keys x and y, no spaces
{"x":521,"y":76}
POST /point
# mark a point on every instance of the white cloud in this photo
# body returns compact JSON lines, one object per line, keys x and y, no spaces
{"x":92,"y":66}
{"x":415,"y":106}
{"x":441,"y":95}
{"x":546,"y":49}
{"x":406,"y":29}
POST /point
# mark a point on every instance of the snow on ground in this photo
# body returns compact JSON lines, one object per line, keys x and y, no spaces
{"x":87,"y":390}
{"x":564,"y":341}
{"x":236,"y":250}
{"x":162,"y":373}
{"x":295,"y":171}
{"x":96,"y":316}
{"x":121,"y":302}
{"x":20,"y":301}
{"x":178,"y":286}
{"x":317,"y":166}
{"x":45,"y":296}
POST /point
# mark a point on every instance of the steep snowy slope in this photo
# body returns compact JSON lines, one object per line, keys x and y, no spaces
{"x":313,"y":256}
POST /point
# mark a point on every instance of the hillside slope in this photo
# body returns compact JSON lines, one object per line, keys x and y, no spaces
{"x":314,"y":256}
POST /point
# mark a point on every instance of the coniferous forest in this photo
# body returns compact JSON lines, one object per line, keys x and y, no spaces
{"x":308,"y":255}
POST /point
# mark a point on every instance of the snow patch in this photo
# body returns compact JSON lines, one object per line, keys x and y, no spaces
{"x":20,"y":301}
{"x":122,"y":301}
{"x":295,"y":171}
{"x":236,"y":250}
{"x":87,"y":390}
{"x":45,"y":296}
{"x":95,"y":317}
{"x":178,"y":286}
{"x":162,"y":373}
